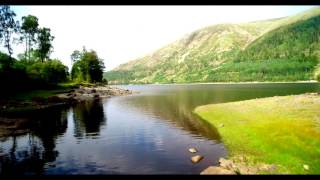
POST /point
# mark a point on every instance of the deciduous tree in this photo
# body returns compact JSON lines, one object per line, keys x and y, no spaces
{"x":29,"y":29}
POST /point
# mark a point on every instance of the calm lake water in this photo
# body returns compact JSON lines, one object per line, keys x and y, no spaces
{"x":145,"y":133}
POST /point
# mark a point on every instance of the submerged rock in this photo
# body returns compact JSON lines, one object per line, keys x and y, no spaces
{"x":216,"y":170}
{"x":196,"y":159}
{"x":193,"y":150}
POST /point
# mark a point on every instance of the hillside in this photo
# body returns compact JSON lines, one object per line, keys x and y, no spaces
{"x":282,"y":49}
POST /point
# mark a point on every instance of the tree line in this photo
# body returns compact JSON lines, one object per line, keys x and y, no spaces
{"x":34,"y":68}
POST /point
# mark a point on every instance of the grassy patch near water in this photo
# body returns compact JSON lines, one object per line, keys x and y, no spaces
{"x":279,"y":130}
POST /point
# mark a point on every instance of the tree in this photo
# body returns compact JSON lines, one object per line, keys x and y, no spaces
{"x":8,"y":26}
{"x":44,"y":43}
{"x":29,"y":29}
{"x":317,"y":74}
{"x":49,"y":72}
{"x":75,"y":56}
{"x":87,"y":66}
{"x":95,"y":66}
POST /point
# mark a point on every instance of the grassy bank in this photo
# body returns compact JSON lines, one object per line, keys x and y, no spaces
{"x":46,"y":92}
{"x":279,"y":130}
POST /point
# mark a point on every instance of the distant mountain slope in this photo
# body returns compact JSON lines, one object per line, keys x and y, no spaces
{"x":282,"y":49}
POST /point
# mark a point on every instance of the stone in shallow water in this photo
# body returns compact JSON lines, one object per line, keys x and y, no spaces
{"x":193,"y":150}
{"x":216,"y":170}
{"x":196,"y":159}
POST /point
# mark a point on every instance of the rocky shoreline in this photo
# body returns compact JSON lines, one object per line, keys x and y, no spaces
{"x":91,"y":93}
{"x":235,"y":166}
{"x":238,"y":166}
{"x":14,"y":114}
{"x":71,"y":97}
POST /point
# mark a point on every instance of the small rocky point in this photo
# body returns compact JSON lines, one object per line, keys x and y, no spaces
{"x":93,"y":93}
{"x":229,"y":167}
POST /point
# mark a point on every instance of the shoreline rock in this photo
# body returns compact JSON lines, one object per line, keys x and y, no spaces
{"x":216,"y":170}
{"x":91,"y":93}
{"x":9,"y":126}
{"x":227,"y":166}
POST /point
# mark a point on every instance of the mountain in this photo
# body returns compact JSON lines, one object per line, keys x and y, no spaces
{"x":282,"y":49}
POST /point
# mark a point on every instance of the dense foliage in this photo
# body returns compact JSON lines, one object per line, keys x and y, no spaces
{"x":8,"y":26}
{"x":87,"y":66}
{"x":18,"y":75}
{"x":44,"y":43}
{"x":33,"y":69}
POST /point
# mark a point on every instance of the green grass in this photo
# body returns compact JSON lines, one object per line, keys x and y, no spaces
{"x":277,"y":130}
{"x":44,"y":93}
{"x":49,"y":91}
{"x":28,"y":95}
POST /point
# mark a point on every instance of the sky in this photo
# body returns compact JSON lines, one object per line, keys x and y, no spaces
{"x":123,"y":33}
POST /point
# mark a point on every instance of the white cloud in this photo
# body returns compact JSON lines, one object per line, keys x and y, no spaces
{"x":123,"y":33}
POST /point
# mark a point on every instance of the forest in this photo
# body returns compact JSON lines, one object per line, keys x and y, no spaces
{"x":34,"y":69}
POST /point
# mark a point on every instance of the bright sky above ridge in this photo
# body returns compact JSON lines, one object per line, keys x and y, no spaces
{"x":123,"y":33}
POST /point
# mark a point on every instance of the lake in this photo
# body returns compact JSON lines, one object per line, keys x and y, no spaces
{"x":144,"y":133}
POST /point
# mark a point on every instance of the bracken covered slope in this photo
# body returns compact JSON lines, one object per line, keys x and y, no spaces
{"x":283,"y":49}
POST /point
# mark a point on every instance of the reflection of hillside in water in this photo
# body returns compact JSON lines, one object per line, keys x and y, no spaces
{"x":177,"y":109}
{"x":29,"y":153}
{"x":175,"y":103}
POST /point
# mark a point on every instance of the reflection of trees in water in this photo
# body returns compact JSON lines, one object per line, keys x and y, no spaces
{"x":88,"y":118}
{"x":38,"y":147}
{"x":23,"y":161}
{"x":47,"y":128}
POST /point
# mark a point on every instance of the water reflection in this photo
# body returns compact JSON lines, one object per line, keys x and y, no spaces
{"x":32,"y":152}
{"x":28,"y":153}
{"x":88,"y":118}
{"x":21,"y":160}
{"x":175,"y":109}
{"x":176,"y":103}
{"x":147,"y":133}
